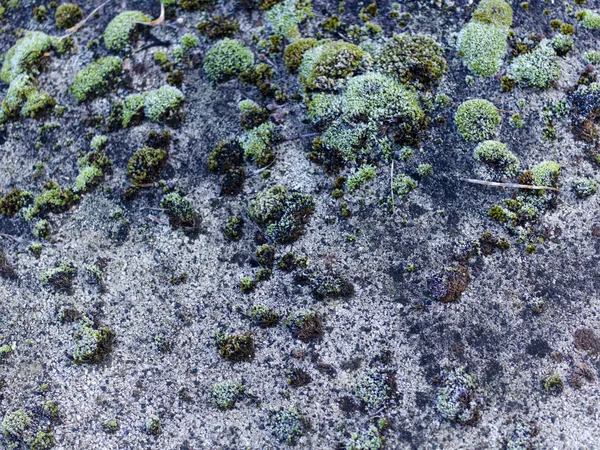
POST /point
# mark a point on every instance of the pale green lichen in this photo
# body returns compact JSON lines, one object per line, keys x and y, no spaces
{"x":23,"y":99}
{"x":97,"y":78}
{"x":358,"y":179}
{"x":25,"y":56}
{"x":477,"y":120}
{"x":374,"y":388}
{"x":371,"y":440}
{"x":589,"y":19}
{"x":87,"y":177}
{"x":91,"y":344}
{"x":257,"y":144}
{"x":546,"y":174}
{"x":98,"y":142}
{"x":16,"y":424}
{"x":287,"y":425}
{"x":482,"y":46}
{"x":584,"y":187}
{"x":227,"y":59}
{"x":499,"y":160}
{"x":163,"y":104}
{"x":285,"y":17}
{"x":226,"y":393}
{"x":538,"y":68}
{"x":118,"y":33}
{"x":455,"y":398}
{"x":403,"y":184}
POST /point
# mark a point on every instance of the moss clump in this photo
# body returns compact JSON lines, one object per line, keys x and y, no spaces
{"x":67,"y":15}
{"x":364,"y":174}
{"x":477,"y":120}
{"x":411,"y":59}
{"x":180,"y":210}
{"x":111,"y":425}
{"x":12,"y":202}
{"x":425,"y":170}
{"x":455,"y":399}
{"x":233,"y":228}
{"x":5,"y":352}
{"x":329,"y":285}
{"x":26,"y":56}
{"x":287,"y":425}
{"x":42,"y":229}
{"x":43,"y":440}
{"x":495,"y":12}
{"x":247,"y":284}
{"x":263,"y":316}
{"x":305,"y":325}
{"x":482,"y":46}
{"x":23,"y":99}
{"x":164,"y":104}
{"x":589,"y":19}
{"x":154,"y":426}
{"x":501,"y":163}
{"x":545,"y":174}
{"x":40,"y":13}
{"x":145,"y":165}
{"x":87,"y":178}
{"x":324,"y":66}
{"x":226,"y":156}
{"x":283,"y":215}
{"x":218,"y":27}
{"x":257,"y":144}
{"x":17,"y":424}
{"x":448,"y":283}
{"x":537,"y":69}
{"x":120,"y":30}
{"x":97,"y":78}
{"x":294,"y":52}
{"x":91,"y":344}
{"x":403,"y":184}
{"x":553,"y":384}
{"x":226,"y":394}
{"x":227,"y":59}
{"x":265,"y":255}
{"x":562,"y":44}
{"x":133,"y":109}
{"x":251,"y":114}
{"x":584,"y":187}
{"x":52,"y":199}
{"x":285,"y":17}
{"x":59,"y":279}
{"x":371,"y":440}
{"x":375,"y":388}
{"x":237,"y":347}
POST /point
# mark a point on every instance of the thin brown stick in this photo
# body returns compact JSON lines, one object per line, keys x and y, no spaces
{"x":79,"y":25}
{"x":157,"y":21}
{"x":510,"y":185}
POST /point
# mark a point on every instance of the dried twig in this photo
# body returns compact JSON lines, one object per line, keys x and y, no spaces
{"x":392,"y":183}
{"x":80,"y":25}
{"x":156,"y":219}
{"x":510,"y":185}
{"x":158,"y":21}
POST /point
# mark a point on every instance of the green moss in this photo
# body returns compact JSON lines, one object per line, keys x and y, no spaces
{"x":180,"y":210}
{"x":59,"y":279}
{"x":331,"y":24}
{"x":425,"y":170}
{"x":237,"y":347}
{"x":495,"y":12}
{"x":51,"y":409}
{"x":499,"y":160}
{"x":26,"y":56}
{"x":375,"y":388}
{"x":584,"y":187}
{"x":251,"y":114}
{"x":154,"y":426}
{"x":42,"y":229}
{"x":257,"y":144}
{"x":324,"y":108}
{"x":482,"y":46}
{"x":67,"y":15}
{"x":414,"y":59}
{"x":91,"y":344}
{"x":111,"y":425}
{"x":233,"y":228}
{"x":553,"y":384}
{"x":365,"y":173}
{"x":98,"y":142}
{"x":218,"y":27}
{"x":546,"y":174}
{"x":324,"y":66}
{"x":294,"y":52}
{"x":371,"y":440}
{"x":329,"y":285}
{"x":265,"y":255}
{"x":40,"y":13}
{"x":592,"y":57}
{"x":88,"y":177}
{"x":16,"y":424}
{"x":264,"y":316}
{"x":43,"y":440}
{"x":227,"y":59}
{"x":52,"y":199}
{"x":226,"y":394}
{"x":164,"y":104}
{"x":589,"y":19}
{"x":145,"y":165}
{"x":23,"y":99}
{"x":120,"y":30}
{"x":35,"y":249}
{"x":133,"y":109}
{"x":455,"y":399}
{"x":97,"y":78}
{"x":403,"y":184}
{"x":305,"y":325}
{"x":516,"y":121}
{"x":5,"y":351}
{"x":247,"y":285}
{"x":193,"y":5}
{"x":226,"y":156}
{"x":287,"y":425}
{"x":285,"y":17}
{"x":562,"y":44}
{"x":477,"y":120}
{"x":537,"y":69}
{"x":12,"y":202}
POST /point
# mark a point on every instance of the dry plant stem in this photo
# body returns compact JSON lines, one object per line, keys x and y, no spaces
{"x":510,"y":185}
{"x":80,"y":25}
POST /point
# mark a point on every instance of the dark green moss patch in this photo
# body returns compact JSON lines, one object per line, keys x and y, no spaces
{"x":145,"y":165}
{"x":237,"y":347}
{"x":305,"y":325}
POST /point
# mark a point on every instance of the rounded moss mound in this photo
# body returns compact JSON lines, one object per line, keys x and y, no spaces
{"x":120,"y":30}
{"x":25,"y":56}
{"x":96,"y":78}
{"x":323,"y":66}
{"x":67,"y":15}
{"x":499,"y":160}
{"x":537,"y":69}
{"x":496,"y":12}
{"x":477,"y":120}
{"x":589,"y":19}
{"x":163,"y":104}
{"x":227,"y":59}
{"x":412,"y":59}
{"x":295,"y":52}
{"x":482,"y":46}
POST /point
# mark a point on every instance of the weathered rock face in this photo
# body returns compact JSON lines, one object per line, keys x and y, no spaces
{"x":204,"y":244}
